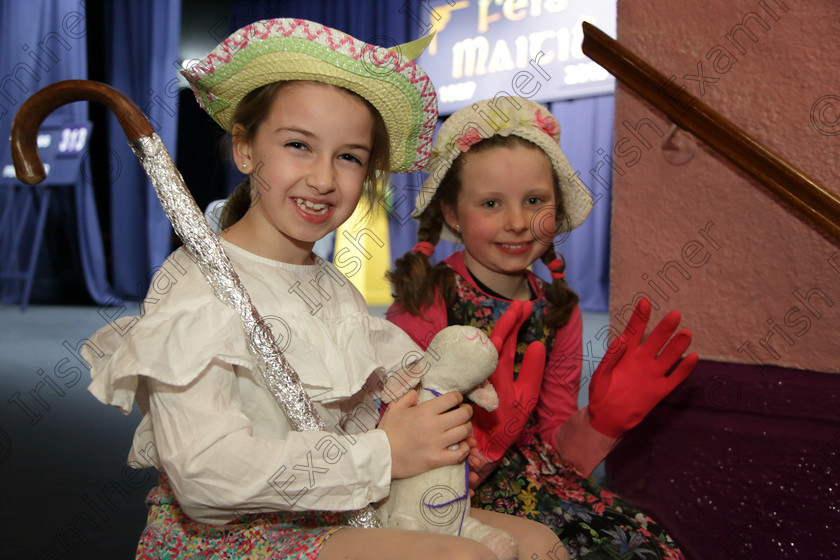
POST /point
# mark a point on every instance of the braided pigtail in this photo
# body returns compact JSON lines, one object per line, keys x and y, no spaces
{"x":561,"y":298}
{"x":414,"y":281}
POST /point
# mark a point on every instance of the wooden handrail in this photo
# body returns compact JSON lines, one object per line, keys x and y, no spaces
{"x":788,"y":183}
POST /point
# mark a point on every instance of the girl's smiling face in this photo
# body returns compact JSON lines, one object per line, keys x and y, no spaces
{"x":507,"y":195}
{"x":307,"y":164}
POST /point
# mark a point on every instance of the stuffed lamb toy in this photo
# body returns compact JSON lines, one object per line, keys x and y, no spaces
{"x":459,"y":358}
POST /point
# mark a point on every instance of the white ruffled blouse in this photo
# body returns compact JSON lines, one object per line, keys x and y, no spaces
{"x":208,"y":420}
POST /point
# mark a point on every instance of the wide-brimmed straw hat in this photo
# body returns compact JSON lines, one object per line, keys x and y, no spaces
{"x":277,"y":50}
{"x":503,"y":116}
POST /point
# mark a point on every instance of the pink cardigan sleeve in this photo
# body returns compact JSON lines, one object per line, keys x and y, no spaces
{"x":421,"y":329}
{"x":559,"y":420}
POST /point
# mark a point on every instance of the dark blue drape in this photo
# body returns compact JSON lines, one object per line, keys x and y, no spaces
{"x":44,"y":41}
{"x":586,"y":126}
{"x":143,"y":43}
{"x":376,"y":21}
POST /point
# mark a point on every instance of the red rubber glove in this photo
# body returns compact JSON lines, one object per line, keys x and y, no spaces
{"x":496,"y":431}
{"x":633,"y":375}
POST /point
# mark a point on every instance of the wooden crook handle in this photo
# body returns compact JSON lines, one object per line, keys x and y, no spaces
{"x":27,"y":161}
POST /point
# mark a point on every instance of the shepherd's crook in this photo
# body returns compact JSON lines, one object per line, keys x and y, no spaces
{"x":191,"y":227}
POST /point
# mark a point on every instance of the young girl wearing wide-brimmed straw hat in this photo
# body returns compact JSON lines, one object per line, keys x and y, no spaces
{"x":317,"y":119}
{"x":500,"y":185}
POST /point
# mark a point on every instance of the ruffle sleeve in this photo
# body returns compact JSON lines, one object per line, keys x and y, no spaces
{"x":180,"y":331}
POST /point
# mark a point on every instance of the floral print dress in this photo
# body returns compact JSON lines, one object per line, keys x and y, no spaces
{"x":534,"y":481}
{"x":172,"y":535}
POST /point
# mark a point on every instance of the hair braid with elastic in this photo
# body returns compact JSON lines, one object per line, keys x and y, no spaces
{"x":415,"y":282}
{"x":561,"y":298}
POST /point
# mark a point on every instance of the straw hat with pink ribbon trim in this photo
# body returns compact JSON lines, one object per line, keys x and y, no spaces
{"x":503,"y":116}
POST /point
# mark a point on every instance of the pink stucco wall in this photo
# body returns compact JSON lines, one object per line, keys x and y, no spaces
{"x":694,"y":233}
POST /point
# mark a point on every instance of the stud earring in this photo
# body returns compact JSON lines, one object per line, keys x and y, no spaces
{"x":244,"y":165}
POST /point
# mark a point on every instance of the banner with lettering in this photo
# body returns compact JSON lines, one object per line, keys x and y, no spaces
{"x":529,"y":48}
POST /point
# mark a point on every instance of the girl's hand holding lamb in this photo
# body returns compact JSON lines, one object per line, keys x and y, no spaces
{"x":421,"y":436}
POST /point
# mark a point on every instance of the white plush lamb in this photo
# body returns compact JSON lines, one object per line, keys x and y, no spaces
{"x":459,"y":358}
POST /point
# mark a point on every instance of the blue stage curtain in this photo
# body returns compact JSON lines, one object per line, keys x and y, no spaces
{"x":586,"y":127}
{"x":376,"y":21}
{"x":44,"y":41}
{"x":143,"y":43}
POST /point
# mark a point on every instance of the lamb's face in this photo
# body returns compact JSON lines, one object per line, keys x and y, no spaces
{"x":459,"y":359}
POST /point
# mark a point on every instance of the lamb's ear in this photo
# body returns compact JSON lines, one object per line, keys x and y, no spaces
{"x":485,"y":396}
{"x":398,"y":383}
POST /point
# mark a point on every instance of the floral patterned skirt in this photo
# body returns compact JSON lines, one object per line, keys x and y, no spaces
{"x":534,"y":482}
{"x":171,"y":535}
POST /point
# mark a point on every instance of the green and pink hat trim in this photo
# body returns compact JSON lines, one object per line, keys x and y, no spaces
{"x":278,"y":50}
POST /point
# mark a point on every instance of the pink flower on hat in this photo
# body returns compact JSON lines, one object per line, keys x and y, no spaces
{"x":548,"y":124}
{"x":465,"y":141}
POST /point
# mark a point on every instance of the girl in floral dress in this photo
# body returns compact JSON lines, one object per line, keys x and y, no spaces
{"x":498,"y":184}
